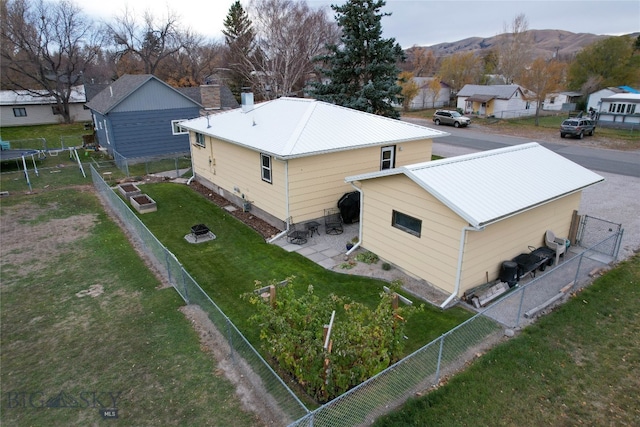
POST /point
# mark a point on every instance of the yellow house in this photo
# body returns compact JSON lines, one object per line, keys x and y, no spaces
{"x":452,"y":222}
{"x":288,"y":158}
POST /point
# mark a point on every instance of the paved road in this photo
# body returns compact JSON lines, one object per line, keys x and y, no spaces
{"x":468,"y":140}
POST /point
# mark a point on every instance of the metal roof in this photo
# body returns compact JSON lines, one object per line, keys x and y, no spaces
{"x":299,"y":127}
{"x":489,"y":186}
{"x":629,"y":97}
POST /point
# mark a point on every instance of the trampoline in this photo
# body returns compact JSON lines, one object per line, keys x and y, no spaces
{"x":8,"y":155}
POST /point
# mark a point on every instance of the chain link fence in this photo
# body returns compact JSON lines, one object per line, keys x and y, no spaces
{"x":416,"y":373}
{"x":280,"y":400}
{"x":592,"y":230}
{"x":140,"y":166}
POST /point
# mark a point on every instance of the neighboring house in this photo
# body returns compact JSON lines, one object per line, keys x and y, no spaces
{"x":213,"y":97}
{"x":595,"y":99}
{"x":24,"y":108}
{"x":428,"y":98}
{"x":502,"y":101}
{"x":620,"y":109}
{"x":137,"y":116}
{"x":561,"y":101}
{"x":288,"y":157}
{"x":453,"y":222}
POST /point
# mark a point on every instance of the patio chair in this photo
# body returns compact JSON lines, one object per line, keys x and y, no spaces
{"x":333,"y":221}
{"x":296,"y":234}
{"x":558,"y":244}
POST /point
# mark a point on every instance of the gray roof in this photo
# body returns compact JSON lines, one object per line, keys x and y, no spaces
{"x":119,"y":90}
{"x":227,"y":100}
{"x":495,"y":91}
{"x":489,"y":186}
{"x":298,"y":127}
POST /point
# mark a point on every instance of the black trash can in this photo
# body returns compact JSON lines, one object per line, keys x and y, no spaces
{"x":509,"y":273}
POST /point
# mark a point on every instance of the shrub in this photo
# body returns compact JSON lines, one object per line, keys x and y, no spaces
{"x":367,"y":258}
{"x":386,"y":266}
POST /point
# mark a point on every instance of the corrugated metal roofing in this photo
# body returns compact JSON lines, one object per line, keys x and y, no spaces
{"x":489,"y":186}
{"x":630,"y":97}
{"x":298,"y":127}
{"x":38,"y":97}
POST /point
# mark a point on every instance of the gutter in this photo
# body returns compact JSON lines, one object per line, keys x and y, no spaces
{"x":357,"y":245}
{"x":463,"y":232}
{"x":286,"y":191}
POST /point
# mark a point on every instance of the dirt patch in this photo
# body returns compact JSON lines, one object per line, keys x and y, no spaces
{"x":24,"y":243}
{"x":249,"y":387}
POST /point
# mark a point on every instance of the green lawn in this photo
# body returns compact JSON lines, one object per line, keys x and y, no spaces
{"x":66,"y":354}
{"x":577,"y":366}
{"x":229,"y":265}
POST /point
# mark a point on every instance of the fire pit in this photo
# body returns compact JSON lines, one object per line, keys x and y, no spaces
{"x":199,"y":230}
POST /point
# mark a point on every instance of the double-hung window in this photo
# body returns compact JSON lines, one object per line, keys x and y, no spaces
{"x":388,"y":157}
{"x":265,"y":166}
{"x":200,"y":139}
{"x":406,"y":223}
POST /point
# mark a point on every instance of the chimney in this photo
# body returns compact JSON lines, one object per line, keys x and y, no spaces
{"x":210,"y":97}
{"x":247,"y":101}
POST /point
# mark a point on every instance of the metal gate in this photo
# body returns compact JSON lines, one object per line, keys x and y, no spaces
{"x":592,"y":231}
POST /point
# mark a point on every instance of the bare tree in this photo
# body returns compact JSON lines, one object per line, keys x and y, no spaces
{"x":46,"y":48}
{"x":514,"y":49}
{"x":289,"y":36}
{"x":193,"y":63}
{"x":149,"y":43}
{"x":542,"y":78}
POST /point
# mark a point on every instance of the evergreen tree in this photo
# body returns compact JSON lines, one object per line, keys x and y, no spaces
{"x":362,"y":70}
{"x":241,"y":45}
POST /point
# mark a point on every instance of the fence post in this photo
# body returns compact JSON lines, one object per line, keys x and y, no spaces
{"x":230,"y":339}
{"x":520,"y":307}
{"x":166,"y":260}
{"x":575,"y":279}
{"x":439,"y":360}
{"x":184,"y":285}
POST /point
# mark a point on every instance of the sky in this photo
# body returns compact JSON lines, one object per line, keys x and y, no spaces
{"x":417,"y":22}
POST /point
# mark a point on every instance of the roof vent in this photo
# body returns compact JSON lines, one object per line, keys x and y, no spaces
{"x":247,"y":101}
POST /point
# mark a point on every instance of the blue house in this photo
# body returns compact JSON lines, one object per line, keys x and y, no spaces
{"x":137,"y":115}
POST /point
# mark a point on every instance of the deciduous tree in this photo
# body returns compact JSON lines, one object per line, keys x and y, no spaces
{"x":361,"y":71}
{"x":46,"y":48}
{"x":460,"y":69}
{"x":409,"y":89}
{"x":543,"y":77}
{"x":514,"y":51}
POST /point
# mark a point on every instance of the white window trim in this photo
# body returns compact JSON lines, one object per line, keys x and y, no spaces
{"x":264,"y":168}
{"x":392,"y":159}
{"x":199,"y":140}
{"x":175,"y":125}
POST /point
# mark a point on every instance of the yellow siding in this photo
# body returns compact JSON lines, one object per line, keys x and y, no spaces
{"x":486,"y":250}
{"x":233,"y":167}
{"x":434,"y":255}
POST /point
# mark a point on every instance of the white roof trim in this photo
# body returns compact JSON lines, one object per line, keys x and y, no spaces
{"x":489,"y":186}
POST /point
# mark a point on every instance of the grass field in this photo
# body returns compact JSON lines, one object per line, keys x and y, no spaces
{"x":578,"y":366}
{"x":84,"y":327}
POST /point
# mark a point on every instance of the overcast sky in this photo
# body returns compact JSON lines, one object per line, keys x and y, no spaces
{"x":419,"y":22}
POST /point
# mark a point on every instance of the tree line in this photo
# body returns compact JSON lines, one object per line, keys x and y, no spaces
{"x":279,"y":48}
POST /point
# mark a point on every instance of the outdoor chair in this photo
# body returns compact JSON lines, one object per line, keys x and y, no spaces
{"x":558,"y":244}
{"x":333,"y":221}
{"x":296,"y":234}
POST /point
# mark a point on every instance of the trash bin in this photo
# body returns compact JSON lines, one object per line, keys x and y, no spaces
{"x":509,"y":273}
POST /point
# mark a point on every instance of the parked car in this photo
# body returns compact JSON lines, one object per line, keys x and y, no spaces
{"x":577,"y":127}
{"x":449,"y":117}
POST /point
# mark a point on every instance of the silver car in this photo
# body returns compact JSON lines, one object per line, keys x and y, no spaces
{"x":450,"y":117}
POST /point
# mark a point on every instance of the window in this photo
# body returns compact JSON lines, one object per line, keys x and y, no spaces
{"x":57,"y":110}
{"x":200,"y":139}
{"x":406,"y":223}
{"x":631,"y":108}
{"x":265,"y":162}
{"x":388,"y":157}
{"x":552,"y":100}
{"x":612,"y":108}
{"x":176,"y":129}
{"x":20,"y":112}
{"x":620,"y":108}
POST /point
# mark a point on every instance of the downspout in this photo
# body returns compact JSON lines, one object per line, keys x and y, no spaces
{"x":286,"y":193}
{"x":357,"y":245}
{"x":463,"y":232}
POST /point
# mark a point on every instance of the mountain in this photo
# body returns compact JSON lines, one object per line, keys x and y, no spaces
{"x":546,"y":43}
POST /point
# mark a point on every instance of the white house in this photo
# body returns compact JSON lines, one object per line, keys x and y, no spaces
{"x":502,"y":101}
{"x":595,"y":99}
{"x":621,"y":108}
{"x":429,"y":98}
{"x":24,"y":108}
{"x":561,"y":101}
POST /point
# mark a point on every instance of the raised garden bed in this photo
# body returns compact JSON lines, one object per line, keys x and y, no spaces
{"x":129,"y":190}
{"x":143,"y":203}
